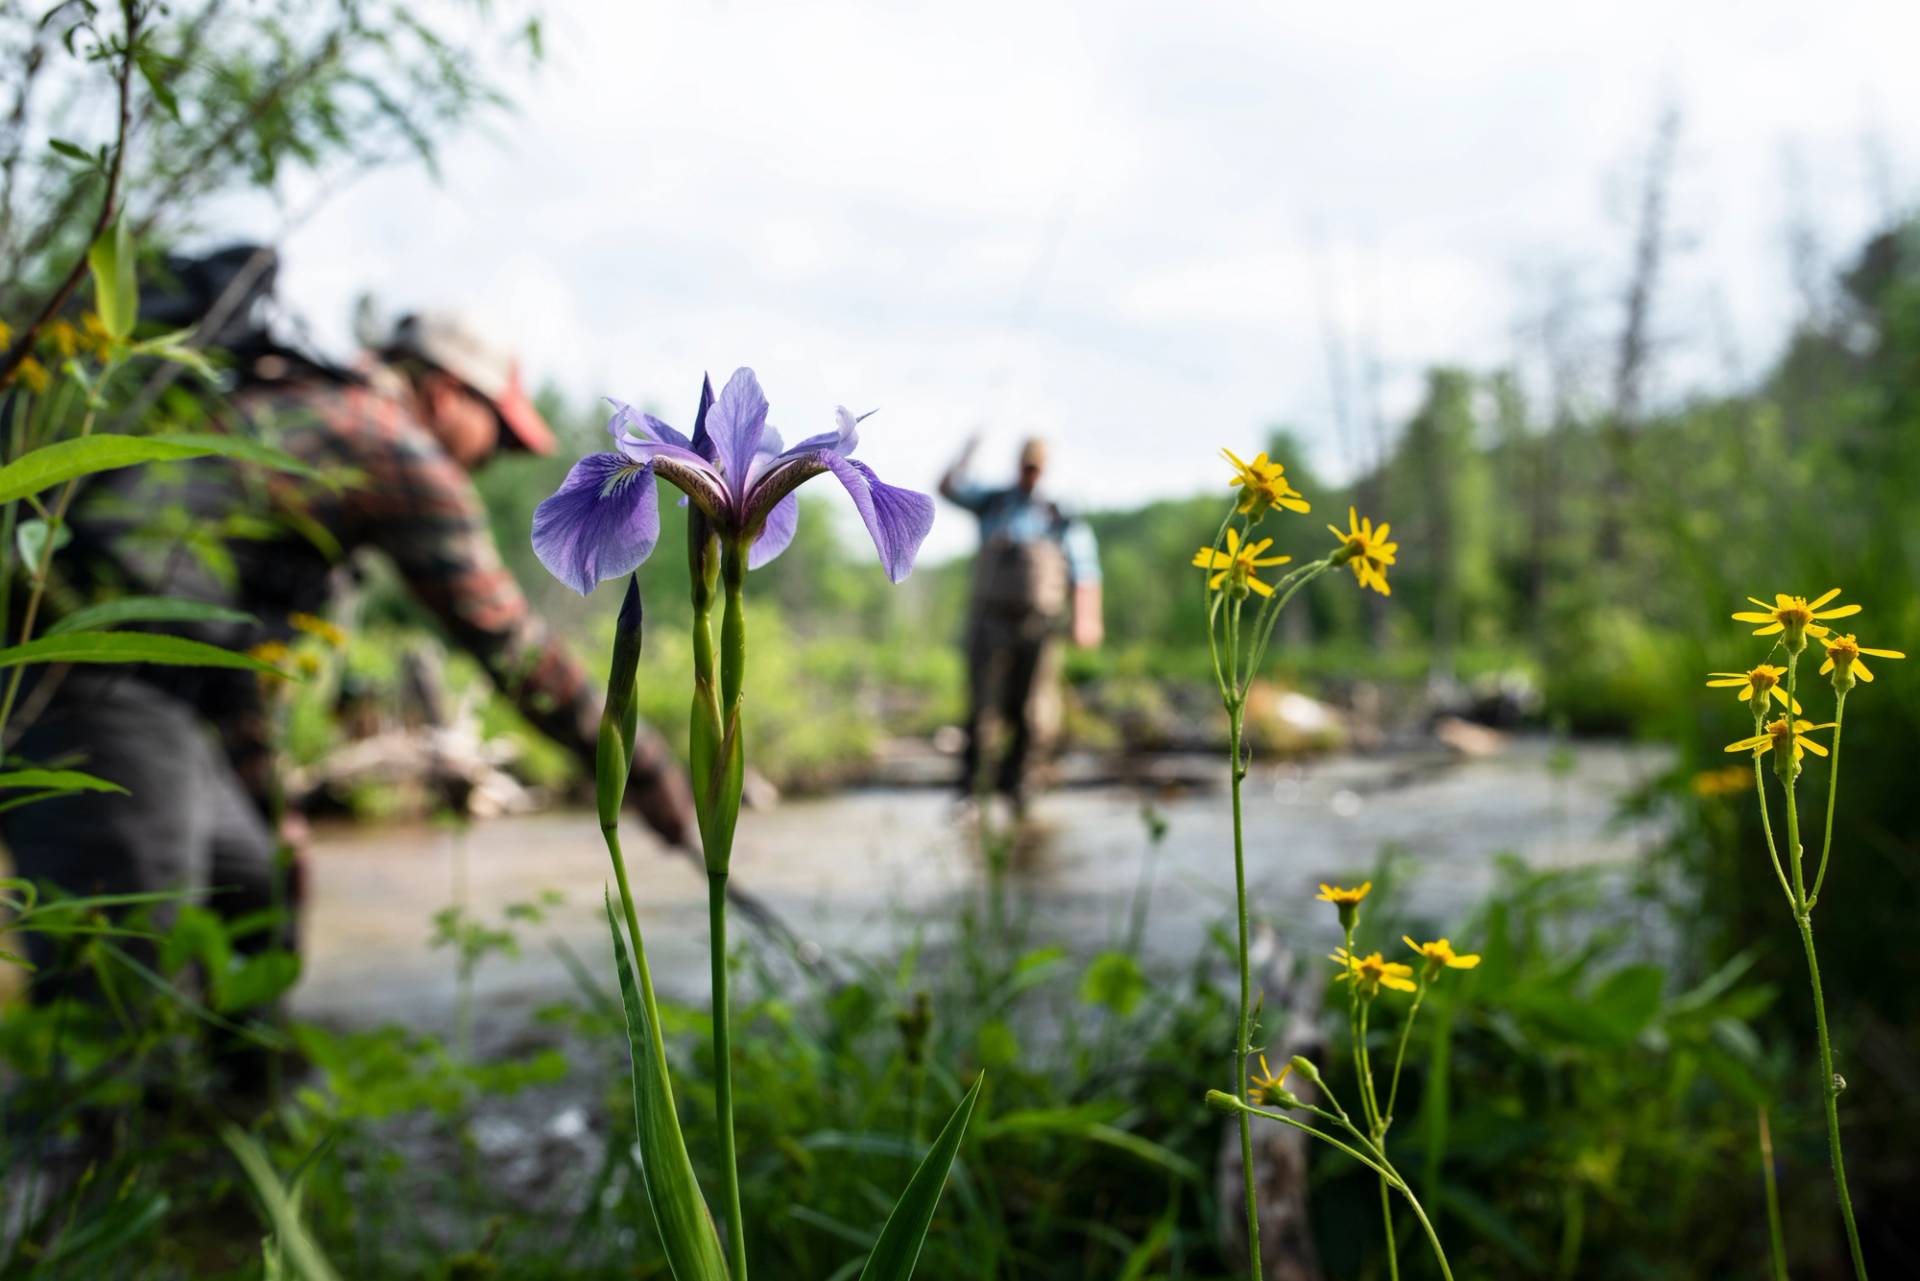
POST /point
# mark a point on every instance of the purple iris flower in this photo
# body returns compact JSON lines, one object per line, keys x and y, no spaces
{"x":605,"y":518}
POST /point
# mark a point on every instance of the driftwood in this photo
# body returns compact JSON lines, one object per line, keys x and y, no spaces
{"x":1290,"y":997}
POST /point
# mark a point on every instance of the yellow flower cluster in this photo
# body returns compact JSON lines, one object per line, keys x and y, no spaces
{"x":1263,"y":486}
{"x":1793,"y":619}
{"x":60,"y":339}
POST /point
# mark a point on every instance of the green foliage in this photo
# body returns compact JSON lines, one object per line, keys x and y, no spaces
{"x":901,"y":1240}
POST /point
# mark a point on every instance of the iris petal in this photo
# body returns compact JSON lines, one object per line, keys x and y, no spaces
{"x":898,"y":519}
{"x":782,"y":521}
{"x":735,"y":426}
{"x":600,"y":524}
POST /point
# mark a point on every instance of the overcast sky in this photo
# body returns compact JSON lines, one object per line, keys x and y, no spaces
{"x":1131,"y":228}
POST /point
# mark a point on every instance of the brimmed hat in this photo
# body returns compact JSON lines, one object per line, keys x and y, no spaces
{"x":449,"y":342}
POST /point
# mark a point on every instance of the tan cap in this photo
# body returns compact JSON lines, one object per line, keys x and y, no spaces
{"x":448,"y":341}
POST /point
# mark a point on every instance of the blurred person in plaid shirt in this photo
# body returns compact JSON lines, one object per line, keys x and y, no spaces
{"x":193,"y":746}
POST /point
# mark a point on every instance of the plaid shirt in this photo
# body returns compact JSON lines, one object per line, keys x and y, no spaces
{"x":397,"y":491}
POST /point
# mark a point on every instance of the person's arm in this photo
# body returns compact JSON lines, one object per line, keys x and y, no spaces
{"x":422,"y":510}
{"x":1083,"y":572}
{"x":957,"y":489}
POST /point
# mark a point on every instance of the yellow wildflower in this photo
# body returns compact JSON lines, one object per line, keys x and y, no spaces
{"x":1796,"y":616}
{"x":1759,"y":681}
{"x":1843,"y":654}
{"x":1343,"y":898}
{"x":1347,"y":901}
{"x":273,"y":653}
{"x":1268,"y":1088}
{"x":97,"y":336}
{"x":34,"y":375}
{"x":1722,"y":782}
{"x":1440,"y":955}
{"x":1238,"y":563}
{"x":1373,"y":972}
{"x":1367,"y":550}
{"x":1778,"y":733}
{"x":6,"y":334}
{"x":1263,"y":484}
{"x":64,"y":337}
{"x":314,"y":625}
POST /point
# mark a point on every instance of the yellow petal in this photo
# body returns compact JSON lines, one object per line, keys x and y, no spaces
{"x":1845,"y":611}
{"x":1824,"y":598}
{"x":1265,"y":589}
{"x":1882,"y":653}
{"x":1749,"y":616}
{"x":1824,"y":669}
{"x":1860,"y":670}
{"x":1465,"y":962}
{"x":1768,"y":631}
{"x":1810,"y":745}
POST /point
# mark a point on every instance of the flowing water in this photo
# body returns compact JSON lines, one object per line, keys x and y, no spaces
{"x":867,"y":871}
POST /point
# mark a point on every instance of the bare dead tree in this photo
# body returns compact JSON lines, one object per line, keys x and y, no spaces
{"x":1631,"y":353}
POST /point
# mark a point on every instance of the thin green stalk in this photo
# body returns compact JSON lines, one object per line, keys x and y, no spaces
{"x":1244,"y":1038}
{"x":55,"y":519}
{"x":733,"y":665}
{"x":1829,"y":1087}
{"x":1326,"y":1138}
{"x":1833,"y":790}
{"x":723,"y":1073}
{"x":1775,"y":1237}
{"x":1400,"y":1055}
{"x":1433,"y":1237}
{"x":1378,"y":1125}
{"x":1766,"y":825}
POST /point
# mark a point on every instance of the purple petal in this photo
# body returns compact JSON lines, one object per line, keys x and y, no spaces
{"x":601,"y":523}
{"x":702,"y":442}
{"x":897,"y":518}
{"x":782,"y":520}
{"x":735,"y":425}
{"x":686,"y":471}
{"x":628,"y":421}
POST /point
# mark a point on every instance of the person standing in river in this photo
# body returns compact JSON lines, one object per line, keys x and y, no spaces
{"x":398,"y":440}
{"x":1036,"y":578}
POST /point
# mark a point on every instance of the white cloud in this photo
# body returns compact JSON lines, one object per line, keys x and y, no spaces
{"x":1124,"y":225}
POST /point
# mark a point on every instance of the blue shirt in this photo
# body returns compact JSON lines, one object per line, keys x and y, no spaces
{"x":1022,"y":517}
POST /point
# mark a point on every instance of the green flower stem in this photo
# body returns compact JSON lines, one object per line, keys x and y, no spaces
{"x":1388,"y":1175}
{"x":1829,"y":1089}
{"x":733,"y":666}
{"x":1370,"y":1162}
{"x":1766,"y":824}
{"x":1776,"y":1238}
{"x":1833,"y":790}
{"x":1243,"y":1041}
{"x":1400,"y":1055}
{"x":723,"y":1074}
{"x":1433,"y":1237}
{"x":42,"y":571}
{"x":1378,"y":1125}
{"x":1270,"y":615}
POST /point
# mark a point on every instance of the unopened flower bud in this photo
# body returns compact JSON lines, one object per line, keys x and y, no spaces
{"x":1308,"y":1072}
{"x":1221,"y":1101}
{"x":618,"y":720}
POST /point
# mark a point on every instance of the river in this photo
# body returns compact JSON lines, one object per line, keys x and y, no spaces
{"x":866,"y":871}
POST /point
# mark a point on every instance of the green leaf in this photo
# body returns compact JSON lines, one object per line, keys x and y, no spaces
{"x":281,"y":1208}
{"x":116,"y":292}
{"x":31,"y":539}
{"x":679,"y":1211}
{"x":176,"y":347}
{"x":72,"y":151}
{"x":57,"y":780}
{"x":129,"y":647}
{"x":898,"y":1248}
{"x":145,"y":609}
{"x":1114,"y":981}
{"x":63,"y":460}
